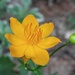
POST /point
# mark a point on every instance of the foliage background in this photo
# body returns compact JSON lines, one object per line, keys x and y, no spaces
{"x":61,"y":12}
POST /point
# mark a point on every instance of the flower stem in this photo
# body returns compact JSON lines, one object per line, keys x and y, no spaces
{"x":59,"y":48}
{"x":28,"y":68}
{"x":37,"y":67}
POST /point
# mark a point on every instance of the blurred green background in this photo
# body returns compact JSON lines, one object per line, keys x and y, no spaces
{"x":61,"y":12}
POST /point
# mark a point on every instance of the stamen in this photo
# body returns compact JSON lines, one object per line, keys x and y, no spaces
{"x":35,"y":28}
{"x":39,"y":35}
{"x":33,"y":36}
{"x":34,"y":39}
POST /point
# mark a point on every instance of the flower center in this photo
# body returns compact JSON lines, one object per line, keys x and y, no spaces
{"x":33,"y":34}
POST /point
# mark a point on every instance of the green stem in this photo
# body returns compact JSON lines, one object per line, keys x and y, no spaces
{"x":37,"y":67}
{"x":59,"y":48}
{"x":28,"y":68}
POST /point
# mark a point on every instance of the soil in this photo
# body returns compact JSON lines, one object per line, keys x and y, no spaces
{"x":63,"y":62}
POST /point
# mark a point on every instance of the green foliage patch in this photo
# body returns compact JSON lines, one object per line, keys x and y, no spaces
{"x":4,"y":28}
{"x":6,"y":66}
{"x":21,"y":10}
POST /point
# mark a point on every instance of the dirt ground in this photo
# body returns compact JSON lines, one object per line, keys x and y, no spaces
{"x":63,"y":62}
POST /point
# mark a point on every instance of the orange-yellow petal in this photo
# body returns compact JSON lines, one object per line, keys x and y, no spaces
{"x":13,"y":39}
{"x":48,"y":42}
{"x":16,"y":27}
{"x":30,"y":19}
{"x":17,"y":51}
{"x":25,"y":59}
{"x":47,"y":29}
{"x":42,"y":56}
{"x":29,"y":53}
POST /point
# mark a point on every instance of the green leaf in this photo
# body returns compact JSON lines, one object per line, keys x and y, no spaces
{"x":4,"y":28}
{"x":71,"y":20}
{"x":16,"y":10}
{"x":26,"y":3}
{"x":23,"y":71}
{"x":20,"y":61}
{"x":3,"y":5}
{"x":34,"y":10}
{"x":6,"y":66}
{"x":21,"y":11}
{"x":32,"y":65}
{"x":37,"y":72}
{"x":21,"y":66}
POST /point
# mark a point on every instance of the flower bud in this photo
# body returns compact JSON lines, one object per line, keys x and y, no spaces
{"x":72,"y":38}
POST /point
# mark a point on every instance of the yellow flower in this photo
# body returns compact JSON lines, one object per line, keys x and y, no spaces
{"x":30,"y":41}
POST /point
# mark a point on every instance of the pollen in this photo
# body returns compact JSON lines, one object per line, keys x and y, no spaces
{"x":33,"y":35}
